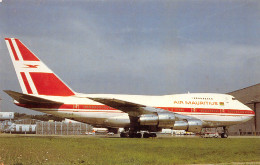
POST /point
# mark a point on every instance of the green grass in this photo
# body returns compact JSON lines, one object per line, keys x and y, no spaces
{"x":81,"y":150}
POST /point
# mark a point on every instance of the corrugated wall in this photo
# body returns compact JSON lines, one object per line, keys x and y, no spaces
{"x":247,"y":96}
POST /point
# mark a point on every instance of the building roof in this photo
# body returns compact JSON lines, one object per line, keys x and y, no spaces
{"x":248,"y":94}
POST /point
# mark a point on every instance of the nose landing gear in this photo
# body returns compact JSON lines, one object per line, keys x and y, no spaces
{"x":225,"y":133}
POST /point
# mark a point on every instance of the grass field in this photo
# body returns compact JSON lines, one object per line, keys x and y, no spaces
{"x":17,"y":149}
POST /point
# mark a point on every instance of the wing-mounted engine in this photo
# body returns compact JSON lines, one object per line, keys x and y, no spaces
{"x":190,"y":125}
{"x":168,"y":120}
{"x":164,"y":120}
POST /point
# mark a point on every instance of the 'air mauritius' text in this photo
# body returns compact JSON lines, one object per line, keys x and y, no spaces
{"x":196,"y":102}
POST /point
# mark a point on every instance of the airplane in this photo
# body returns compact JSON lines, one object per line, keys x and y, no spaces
{"x":140,"y":115}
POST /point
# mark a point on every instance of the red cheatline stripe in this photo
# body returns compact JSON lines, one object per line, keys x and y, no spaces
{"x":12,"y":47}
{"x":82,"y":107}
{"x":26,"y":83}
{"x":69,"y":108}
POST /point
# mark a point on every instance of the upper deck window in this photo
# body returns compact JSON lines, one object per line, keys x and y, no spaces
{"x":202,"y":98}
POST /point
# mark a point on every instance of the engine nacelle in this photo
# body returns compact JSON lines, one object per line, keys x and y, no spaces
{"x":164,"y":120}
{"x":192,"y":125}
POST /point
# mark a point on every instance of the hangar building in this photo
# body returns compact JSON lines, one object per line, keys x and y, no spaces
{"x":251,"y":97}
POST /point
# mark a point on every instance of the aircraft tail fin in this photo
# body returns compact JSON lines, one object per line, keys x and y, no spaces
{"x":33,"y":75}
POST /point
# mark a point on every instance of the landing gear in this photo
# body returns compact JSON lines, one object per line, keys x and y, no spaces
{"x":147,"y":135}
{"x":138,"y":135}
{"x":133,"y":134}
{"x":123,"y":134}
{"x":225,"y":133}
{"x":153,"y":135}
{"x":130,"y":134}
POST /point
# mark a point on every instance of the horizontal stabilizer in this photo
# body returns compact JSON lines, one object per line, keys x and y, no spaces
{"x":29,"y":99}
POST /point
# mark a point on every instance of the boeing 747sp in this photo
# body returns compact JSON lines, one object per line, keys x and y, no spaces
{"x":45,"y":92}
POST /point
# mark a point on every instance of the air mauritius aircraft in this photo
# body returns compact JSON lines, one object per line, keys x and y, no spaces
{"x":44,"y":91}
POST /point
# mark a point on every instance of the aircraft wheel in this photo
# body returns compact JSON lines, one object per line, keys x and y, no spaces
{"x":123,"y":134}
{"x":153,"y":135}
{"x":224,"y":135}
{"x":138,"y":135}
{"x":146,"y":135}
{"x":132,"y":135}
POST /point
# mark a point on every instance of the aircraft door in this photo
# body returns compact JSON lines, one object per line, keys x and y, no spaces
{"x":193,"y":110}
{"x":75,"y":108}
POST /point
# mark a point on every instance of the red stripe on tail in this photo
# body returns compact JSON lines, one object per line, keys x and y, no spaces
{"x":49,"y":84}
{"x":25,"y":52}
{"x":26,"y":83}
{"x":12,"y":47}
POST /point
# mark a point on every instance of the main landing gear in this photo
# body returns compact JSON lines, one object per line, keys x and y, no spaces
{"x":225,"y":133}
{"x":147,"y":135}
{"x":130,"y":134}
{"x":123,"y":134}
{"x":137,"y":134}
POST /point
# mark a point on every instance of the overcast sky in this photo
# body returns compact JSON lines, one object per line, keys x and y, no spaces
{"x":136,"y":47}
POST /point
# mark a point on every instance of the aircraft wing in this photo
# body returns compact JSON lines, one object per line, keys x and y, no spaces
{"x":134,"y":109}
{"x":29,"y":99}
{"x":131,"y":108}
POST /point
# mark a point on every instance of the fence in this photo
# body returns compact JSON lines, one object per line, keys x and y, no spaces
{"x":62,"y":128}
{"x":5,"y":125}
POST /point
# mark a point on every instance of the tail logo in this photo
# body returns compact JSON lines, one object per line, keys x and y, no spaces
{"x":33,"y":75}
{"x":31,"y":66}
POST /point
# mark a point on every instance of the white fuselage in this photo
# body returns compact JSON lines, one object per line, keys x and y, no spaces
{"x":213,"y":109}
{"x":44,"y":91}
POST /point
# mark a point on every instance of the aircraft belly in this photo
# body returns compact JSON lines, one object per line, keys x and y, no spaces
{"x":99,"y":118}
{"x":222,"y":120}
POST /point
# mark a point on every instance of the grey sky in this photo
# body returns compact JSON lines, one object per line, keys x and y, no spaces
{"x":136,"y":47}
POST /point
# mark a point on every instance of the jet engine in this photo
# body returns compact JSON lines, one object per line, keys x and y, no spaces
{"x":164,"y":120}
{"x":191,"y":125}
{"x":168,"y":120}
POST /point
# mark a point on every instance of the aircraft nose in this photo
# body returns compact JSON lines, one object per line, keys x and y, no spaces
{"x":250,"y":110}
{"x":253,"y":112}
